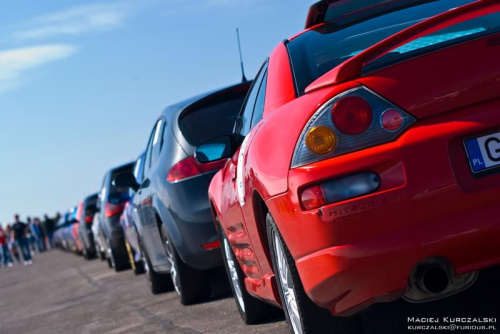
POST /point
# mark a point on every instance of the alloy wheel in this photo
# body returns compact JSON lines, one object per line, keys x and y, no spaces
{"x":233,"y":273}
{"x":286,"y":285}
{"x":173,"y":266}
{"x":111,"y":259}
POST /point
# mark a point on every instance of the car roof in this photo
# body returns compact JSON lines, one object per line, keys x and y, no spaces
{"x":124,"y":166}
{"x":176,"y":109}
{"x":91,"y":197}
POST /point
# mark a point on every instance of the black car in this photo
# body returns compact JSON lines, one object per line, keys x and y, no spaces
{"x":176,"y":231}
{"x":110,"y":206}
{"x":89,"y":209}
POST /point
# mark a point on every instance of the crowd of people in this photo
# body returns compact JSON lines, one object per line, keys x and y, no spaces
{"x":34,"y":236}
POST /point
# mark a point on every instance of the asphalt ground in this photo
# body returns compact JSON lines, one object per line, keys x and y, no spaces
{"x":63,"y":293}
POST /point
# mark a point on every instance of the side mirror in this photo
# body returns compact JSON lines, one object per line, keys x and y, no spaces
{"x":213,"y":150}
{"x":126,"y":180}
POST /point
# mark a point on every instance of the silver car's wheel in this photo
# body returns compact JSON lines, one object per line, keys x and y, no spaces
{"x":191,"y":285}
{"x":233,"y":273}
{"x":109,"y":255}
{"x":146,"y":267}
{"x":158,"y":283}
{"x":173,"y":266}
{"x":287,"y":287}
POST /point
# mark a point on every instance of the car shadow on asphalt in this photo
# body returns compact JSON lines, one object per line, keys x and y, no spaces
{"x":222,"y":290}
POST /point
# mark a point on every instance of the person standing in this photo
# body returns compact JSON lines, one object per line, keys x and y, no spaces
{"x":39,"y":235}
{"x":49,"y":226}
{"x":19,"y":232}
{"x":4,"y":247}
{"x":30,"y":236}
{"x":12,"y":244}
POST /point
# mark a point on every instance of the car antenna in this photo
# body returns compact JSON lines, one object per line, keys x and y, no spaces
{"x":244,"y":78}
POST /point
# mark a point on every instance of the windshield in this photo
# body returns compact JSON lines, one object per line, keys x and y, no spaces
{"x":317,"y":51}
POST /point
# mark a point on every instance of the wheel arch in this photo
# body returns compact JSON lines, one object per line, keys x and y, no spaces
{"x":260,"y":211}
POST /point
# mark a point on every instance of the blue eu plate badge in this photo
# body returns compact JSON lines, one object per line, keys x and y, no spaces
{"x":483,"y":152}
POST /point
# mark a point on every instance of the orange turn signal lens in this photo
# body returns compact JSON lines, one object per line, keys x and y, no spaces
{"x":321,"y":140}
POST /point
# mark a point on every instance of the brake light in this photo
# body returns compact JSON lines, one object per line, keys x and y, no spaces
{"x":113,"y":209}
{"x":88,"y":219}
{"x":189,"y":167}
{"x":358,"y":118}
{"x":312,"y":198}
{"x":352,"y":115}
{"x":211,"y":166}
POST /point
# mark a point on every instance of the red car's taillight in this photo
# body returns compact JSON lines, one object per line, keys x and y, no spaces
{"x":351,"y":121}
{"x":312,"y":198}
{"x":392,"y":120}
{"x":189,"y":167}
{"x":113,"y":209}
{"x":352,"y":115}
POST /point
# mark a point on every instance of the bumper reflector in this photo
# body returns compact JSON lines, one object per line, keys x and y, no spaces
{"x":211,"y":245}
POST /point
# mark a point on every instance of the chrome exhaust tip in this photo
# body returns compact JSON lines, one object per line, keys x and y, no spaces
{"x":435,"y":278}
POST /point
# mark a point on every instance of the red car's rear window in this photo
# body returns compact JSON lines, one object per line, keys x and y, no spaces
{"x":317,"y":51}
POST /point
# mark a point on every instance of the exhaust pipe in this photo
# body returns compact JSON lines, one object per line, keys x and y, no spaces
{"x":432,"y":279}
{"x":435,"y":278}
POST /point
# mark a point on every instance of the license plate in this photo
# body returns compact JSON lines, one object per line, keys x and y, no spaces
{"x":483,"y":152}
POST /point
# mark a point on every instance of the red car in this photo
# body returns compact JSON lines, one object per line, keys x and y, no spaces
{"x":365,"y":164}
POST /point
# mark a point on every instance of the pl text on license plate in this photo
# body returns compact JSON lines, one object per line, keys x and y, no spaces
{"x":483,"y":152}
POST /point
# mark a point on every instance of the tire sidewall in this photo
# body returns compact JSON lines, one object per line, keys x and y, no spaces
{"x":243,"y":314}
{"x":272,"y":230}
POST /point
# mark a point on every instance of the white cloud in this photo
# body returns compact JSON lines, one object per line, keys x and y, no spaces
{"x":75,"y":21}
{"x":16,"y":62}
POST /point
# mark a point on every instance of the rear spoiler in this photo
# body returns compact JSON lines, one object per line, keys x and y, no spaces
{"x":352,"y":68}
{"x":317,"y":13}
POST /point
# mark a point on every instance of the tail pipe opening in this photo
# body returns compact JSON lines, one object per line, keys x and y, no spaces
{"x":435,"y":278}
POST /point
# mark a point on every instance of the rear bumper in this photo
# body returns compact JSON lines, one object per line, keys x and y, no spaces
{"x":360,"y":251}
{"x":347,"y":278}
{"x":194,"y":237}
{"x":190,"y":224}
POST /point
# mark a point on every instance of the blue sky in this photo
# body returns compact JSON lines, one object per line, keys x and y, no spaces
{"x":82,"y":82}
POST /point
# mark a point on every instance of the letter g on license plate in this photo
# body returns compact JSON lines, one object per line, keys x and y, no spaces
{"x":483,"y":152}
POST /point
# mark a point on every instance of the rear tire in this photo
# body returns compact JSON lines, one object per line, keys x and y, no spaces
{"x":251,"y":309}
{"x":302,"y":315}
{"x":158,"y":283}
{"x":191,"y":285}
{"x":116,"y":258}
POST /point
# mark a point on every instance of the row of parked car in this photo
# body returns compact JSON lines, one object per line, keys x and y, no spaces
{"x":360,"y":166}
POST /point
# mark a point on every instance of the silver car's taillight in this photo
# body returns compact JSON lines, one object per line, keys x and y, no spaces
{"x":351,"y":121}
